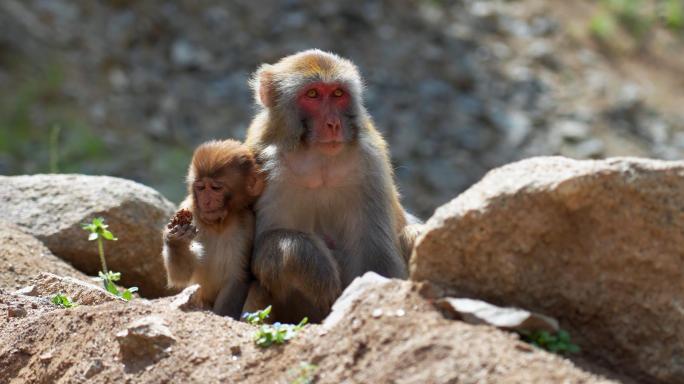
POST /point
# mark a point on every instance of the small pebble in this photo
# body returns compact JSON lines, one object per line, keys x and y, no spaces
{"x":15,"y":311}
{"x":377,"y":312}
{"x":356,"y":324}
{"x":96,"y":366}
{"x":45,"y":356}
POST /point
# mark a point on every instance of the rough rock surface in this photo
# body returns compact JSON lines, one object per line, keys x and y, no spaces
{"x":22,"y":256}
{"x":597,"y":244}
{"x":81,"y":293}
{"x":53,"y":207}
{"x":189,"y":299}
{"x":480,"y":312}
{"x":390,"y":334}
{"x":144,"y":342}
{"x":351,"y":295}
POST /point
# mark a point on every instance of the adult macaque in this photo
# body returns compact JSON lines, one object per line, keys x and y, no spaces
{"x":330,"y":210}
{"x":223,"y":183}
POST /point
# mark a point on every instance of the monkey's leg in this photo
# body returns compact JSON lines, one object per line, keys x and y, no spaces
{"x":407,"y":239}
{"x":287,"y":262}
{"x":231,"y":298}
{"x":292,"y":310}
{"x":379,"y":250}
{"x":258,"y":298}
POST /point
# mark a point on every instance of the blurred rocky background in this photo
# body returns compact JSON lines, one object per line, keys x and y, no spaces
{"x":128,"y":88}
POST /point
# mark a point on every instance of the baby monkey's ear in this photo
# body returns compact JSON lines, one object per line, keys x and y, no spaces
{"x":255,"y":183}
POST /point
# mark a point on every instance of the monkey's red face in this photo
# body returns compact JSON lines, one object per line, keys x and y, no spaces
{"x":325,"y":111}
{"x":212,"y":197}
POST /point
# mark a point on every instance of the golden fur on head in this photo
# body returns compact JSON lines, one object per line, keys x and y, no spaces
{"x":279,"y":82}
{"x":276,"y":87}
{"x":231,"y":163}
{"x":213,"y":157}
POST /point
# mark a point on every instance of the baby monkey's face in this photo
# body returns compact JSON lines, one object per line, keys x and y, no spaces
{"x":224,"y":180}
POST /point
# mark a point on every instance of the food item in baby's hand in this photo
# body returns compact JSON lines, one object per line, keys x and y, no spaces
{"x":181,"y":217}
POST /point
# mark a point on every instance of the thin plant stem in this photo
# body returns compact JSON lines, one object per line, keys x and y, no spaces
{"x":102,"y":258}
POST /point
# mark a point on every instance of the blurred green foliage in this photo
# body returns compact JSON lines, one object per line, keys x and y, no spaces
{"x":167,"y":167}
{"x":559,"y":342}
{"x":636,"y":17}
{"x":56,"y":139}
{"x":42,"y":129}
{"x":674,"y":14}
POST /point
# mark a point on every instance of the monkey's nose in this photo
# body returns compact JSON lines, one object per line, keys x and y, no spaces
{"x":333,"y":126}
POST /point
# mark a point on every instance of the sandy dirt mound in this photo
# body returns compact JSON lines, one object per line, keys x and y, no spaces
{"x":390,"y":334}
{"x":23,"y":256}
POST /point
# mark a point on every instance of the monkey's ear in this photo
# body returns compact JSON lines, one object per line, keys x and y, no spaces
{"x":264,"y":86}
{"x":255,"y":184}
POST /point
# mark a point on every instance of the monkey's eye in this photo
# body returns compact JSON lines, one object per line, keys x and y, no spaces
{"x":216,"y":188}
{"x":338,"y":92}
{"x":312,"y":93}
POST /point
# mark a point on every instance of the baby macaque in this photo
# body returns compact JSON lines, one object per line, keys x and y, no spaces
{"x":209,"y":240}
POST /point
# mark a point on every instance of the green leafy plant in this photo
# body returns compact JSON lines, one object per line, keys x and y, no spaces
{"x":559,"y":342}
{"x":270,"y":334}
{"x":258,"y":317}
{"x":98,"y":231}
{"x":305,"y":373}
{"x":108,"y":280}
{"x":63,"y":301}
{"x":277,"y":333}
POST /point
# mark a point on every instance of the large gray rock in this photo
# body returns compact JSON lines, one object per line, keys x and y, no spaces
{"x":596,"y":244}
{"x":53,"y":207}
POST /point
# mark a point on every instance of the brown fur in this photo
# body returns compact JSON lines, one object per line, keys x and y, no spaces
{"x":215,"y":254}
{"x":321,"y":221}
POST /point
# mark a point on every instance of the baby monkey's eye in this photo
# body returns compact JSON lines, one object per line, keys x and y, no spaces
{"x":311,"y":93}
{"x":338,"y":92}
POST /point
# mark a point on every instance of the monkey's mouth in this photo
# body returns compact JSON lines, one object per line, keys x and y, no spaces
{"x":330,"y":148}
{"x":214,"y":215}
